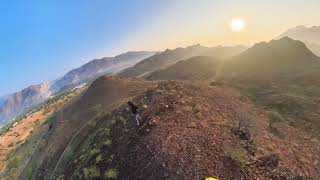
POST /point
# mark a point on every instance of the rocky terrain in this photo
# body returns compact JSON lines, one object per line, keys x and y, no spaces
{"x":247,"y":115}
{"x":190,"y":131}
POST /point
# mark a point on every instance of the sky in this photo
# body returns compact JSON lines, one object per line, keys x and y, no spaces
{"x":42,"y":40}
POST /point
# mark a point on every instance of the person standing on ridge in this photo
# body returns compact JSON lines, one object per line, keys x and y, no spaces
{"x":134,"y":110}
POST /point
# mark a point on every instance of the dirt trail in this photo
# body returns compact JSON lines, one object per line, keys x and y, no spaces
{"x":88,"y":123}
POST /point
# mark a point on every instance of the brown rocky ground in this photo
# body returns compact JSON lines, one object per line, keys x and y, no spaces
{"x":190,"y":134}
{"x":193,"y":131}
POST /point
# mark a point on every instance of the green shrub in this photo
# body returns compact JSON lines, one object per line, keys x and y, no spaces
{"x":91,"y":172}
{"x":113,"y":121}
{"x":93,"y":152}
{"x":123,"y":120}
{"x":13,"y":163}
{"x":111,"y":174}
{"x":98,"y":158}
{"x":236,"y":153}
{"x":107,"y":131}
{"x":275,"y":116}
{"x":107,"y":142}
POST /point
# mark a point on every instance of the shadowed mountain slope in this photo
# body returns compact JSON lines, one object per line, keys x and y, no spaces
{"x":275,"y":59}
{"x":170,"y":57}
{"x":281,"y":75}
{"x":195,"y":68}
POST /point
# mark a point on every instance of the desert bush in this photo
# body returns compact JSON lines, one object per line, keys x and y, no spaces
{"x":107,"y":131}
{"x":93,"y":152}
{"x":275,"y":116}
{"x":91,"y":172}
{"x":108,"y":142}
{"x":98,"y":158}
{"x":123,"y":120}
{"x":70,"y":155}
{"x":244,"y":121}
{"x":111,"y":174}
{"x":13,"y":163}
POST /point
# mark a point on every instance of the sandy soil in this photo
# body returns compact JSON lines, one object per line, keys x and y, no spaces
{"x":22,"y":130}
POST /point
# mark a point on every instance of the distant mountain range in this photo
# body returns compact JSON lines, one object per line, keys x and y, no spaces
{"x":310,"y":36}
{"x":276,"y":60}
{"x":170,"y":57}
{"x":22,"y":101}
{"x":283,"y":57}
{"x":153,"y":65}
{"x":280,"y":74}
{"x":98,"y":67}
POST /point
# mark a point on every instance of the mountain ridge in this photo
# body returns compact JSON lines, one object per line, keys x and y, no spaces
{"x":254,"y":115}
{"x":309,"y":35}
{"x":22,"y":101}
{"x":170,"y":57}
{"x":195,"y":68}
{"x":276,"y":56}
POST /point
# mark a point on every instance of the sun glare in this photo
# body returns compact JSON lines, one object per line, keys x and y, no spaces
{"x":237,"y":24}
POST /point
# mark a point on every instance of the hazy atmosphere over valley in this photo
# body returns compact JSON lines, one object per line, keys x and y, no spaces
{"x":168,"y":89}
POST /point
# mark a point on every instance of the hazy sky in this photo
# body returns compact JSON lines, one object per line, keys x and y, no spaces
{"x":41,"y":40}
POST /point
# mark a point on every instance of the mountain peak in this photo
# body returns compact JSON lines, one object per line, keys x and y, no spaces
{"x":303,"y":33}
{"x":287,"y":41}
{"x":272,"y":59}
{"x":284,"y":45}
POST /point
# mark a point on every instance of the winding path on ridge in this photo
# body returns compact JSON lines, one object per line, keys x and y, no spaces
{"x":78,"y":132}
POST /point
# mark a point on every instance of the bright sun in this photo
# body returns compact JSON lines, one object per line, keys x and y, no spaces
{"x":237,"y":24}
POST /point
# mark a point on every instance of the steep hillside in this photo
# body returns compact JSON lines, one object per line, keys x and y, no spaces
{"x":310,"y":36}
{"x":70,"y":120}
{"x":24,"y":100}
{"x":20,"y":137}
{"x":189,"y":131}
{"x":195,"y":68}
{"x":314,"y":47}
{"x":280,"y":75}
{"x":277,"y":58}
{"x":170,"y":57}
